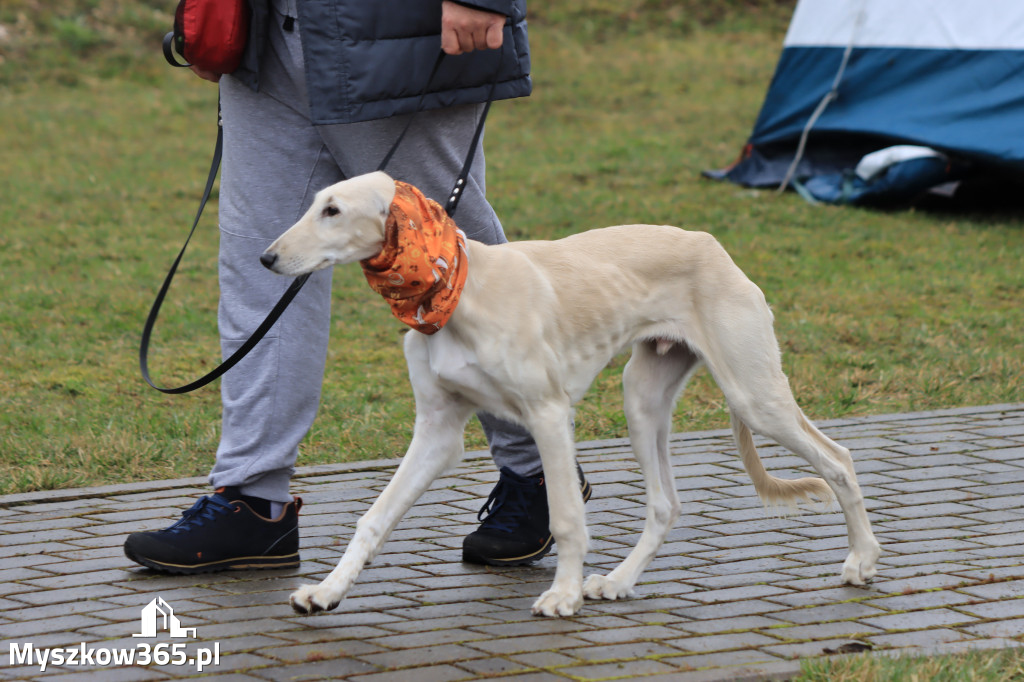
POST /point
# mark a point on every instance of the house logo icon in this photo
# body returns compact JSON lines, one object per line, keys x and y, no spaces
{"x":158,"y":609}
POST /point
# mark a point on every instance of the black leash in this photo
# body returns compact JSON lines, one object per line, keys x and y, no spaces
{"x":298,"y":282}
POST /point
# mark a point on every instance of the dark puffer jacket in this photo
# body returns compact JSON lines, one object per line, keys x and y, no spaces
{"x":368,"y":59}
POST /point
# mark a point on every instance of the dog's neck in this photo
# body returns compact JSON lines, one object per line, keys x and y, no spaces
{"x":422,"y":266}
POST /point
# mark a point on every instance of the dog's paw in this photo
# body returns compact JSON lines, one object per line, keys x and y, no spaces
{"x":859,"y":568}
{"x":312,"y":599}
{"x":556,"y":603}
{"x":603,"y":587}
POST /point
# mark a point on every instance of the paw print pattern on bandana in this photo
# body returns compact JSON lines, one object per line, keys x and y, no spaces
{"x":421,"y":270}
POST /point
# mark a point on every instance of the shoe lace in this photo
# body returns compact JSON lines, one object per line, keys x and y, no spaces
{"x":505,"y":508}
{"x":207,"y":508}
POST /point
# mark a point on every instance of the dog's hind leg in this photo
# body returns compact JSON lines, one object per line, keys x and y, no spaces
{"x":743,"y":355}
{"x":651,"y":383}
{"x":437,"y":445}
{"x":795,"y":432}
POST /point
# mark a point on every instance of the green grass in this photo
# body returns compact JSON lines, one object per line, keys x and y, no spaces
{"x":105,"y":154}
{"x":977,"y":666}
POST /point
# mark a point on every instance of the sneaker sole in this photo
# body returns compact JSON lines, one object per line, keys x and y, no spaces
{"x":253,"y":563}
{"x":526,"y":559}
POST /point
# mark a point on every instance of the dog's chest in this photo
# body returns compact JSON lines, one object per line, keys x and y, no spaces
{"x":456,"y":367}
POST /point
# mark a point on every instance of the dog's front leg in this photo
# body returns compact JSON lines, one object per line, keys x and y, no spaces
{"x":436,"y":446}
{"x":553,"y":434}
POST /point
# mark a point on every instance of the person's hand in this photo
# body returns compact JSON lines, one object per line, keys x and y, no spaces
{"x":205,"y":75}
{"x":464,"y":29}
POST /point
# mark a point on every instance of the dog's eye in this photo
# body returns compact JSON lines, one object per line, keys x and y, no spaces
{"x":330,"y":211}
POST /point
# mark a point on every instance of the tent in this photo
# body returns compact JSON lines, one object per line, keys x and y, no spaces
{"x":858,"y":76}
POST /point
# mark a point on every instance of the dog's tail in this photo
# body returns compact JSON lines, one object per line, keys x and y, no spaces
{"x":778,"y":494}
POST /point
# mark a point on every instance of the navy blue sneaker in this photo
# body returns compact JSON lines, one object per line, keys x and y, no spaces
{"x":221,"y":532}
{"x":515,"y":529}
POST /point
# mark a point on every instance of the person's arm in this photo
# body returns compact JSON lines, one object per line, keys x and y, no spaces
{"x":465,"y":29}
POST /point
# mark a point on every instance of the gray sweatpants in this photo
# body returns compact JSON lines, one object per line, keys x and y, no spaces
{"x":274,"y":161}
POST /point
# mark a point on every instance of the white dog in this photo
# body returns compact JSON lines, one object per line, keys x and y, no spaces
{"x":535,"y":323}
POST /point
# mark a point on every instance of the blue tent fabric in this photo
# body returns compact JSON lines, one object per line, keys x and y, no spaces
{"x":922,"y":72}
{"x":898,"y":184}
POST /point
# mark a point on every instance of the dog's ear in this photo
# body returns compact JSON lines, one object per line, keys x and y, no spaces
{"x":384,"y":204}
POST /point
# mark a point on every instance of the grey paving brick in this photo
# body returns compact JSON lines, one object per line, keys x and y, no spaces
{"x":626,"y":607}
{"x":637,"y":633}
{"x":828,"y":613}
{"x":1011,"y":629}
{"x":492,"y":666}
{"x":912,"y":473}
{"x":548,"y":659}
{"x":744,"y":593}
{"x":397,"y":659}
{"x":731,"y":664}
{"x":623,"y":651}
{"x":26,"y":629}
{"x":844,"y":628}
{"x":929,"y":484}
{"x":717,"y":612}
{"x":733,"y":624}
{"x":1005,"y":454}
{"x":923,"y":600}
{"x":919,"y":639}
{"x":919,"y":620}
{"x":636,"y":668}
{"x":314,"y":670}
{"x":990,"y":571}
{"x":721,"y":642}
{"x":992,"y":610}
{"x":516,"y":645}
{"x":1001,"y":431}
{"x":542,"y":626}
{"x":931,"y":522}
{"x":113,"y":675}
{"x":317,"y":651}
{"x":537,"y":676}
{"x":1005,"y":502}
{"x":1010,"y":589}
{"x":917,"y":583}
{"x":869,"y":443}
{"x":932,"y":510}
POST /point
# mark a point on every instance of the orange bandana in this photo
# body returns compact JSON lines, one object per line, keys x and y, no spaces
{"x":421,"y":269}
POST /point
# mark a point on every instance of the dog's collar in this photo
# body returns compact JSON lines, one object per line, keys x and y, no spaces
{"x":422,"y":268}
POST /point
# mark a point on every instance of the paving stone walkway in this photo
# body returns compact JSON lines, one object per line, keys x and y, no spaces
{"x":734,"y":593}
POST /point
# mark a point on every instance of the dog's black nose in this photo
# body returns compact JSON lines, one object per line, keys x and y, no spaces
{"x":268,"y":260}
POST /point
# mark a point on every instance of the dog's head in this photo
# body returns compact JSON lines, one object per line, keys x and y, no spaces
{"x":345,"y":224}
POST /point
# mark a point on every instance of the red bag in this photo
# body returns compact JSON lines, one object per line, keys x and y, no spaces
{"x":210,"y":34}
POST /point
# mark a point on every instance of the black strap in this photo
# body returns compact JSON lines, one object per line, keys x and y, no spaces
{"x":261,"y":331}
{"x":296,"y":285}
{"x":460,"y":182}
{"x":168,"y":46}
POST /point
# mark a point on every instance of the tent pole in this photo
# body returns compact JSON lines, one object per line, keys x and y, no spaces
{"x":832,"y":94}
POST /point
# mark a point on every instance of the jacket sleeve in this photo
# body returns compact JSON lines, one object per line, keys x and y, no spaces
{"x":506,"y":7}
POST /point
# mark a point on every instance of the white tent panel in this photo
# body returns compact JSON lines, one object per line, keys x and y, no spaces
{"x":941,"y":24}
